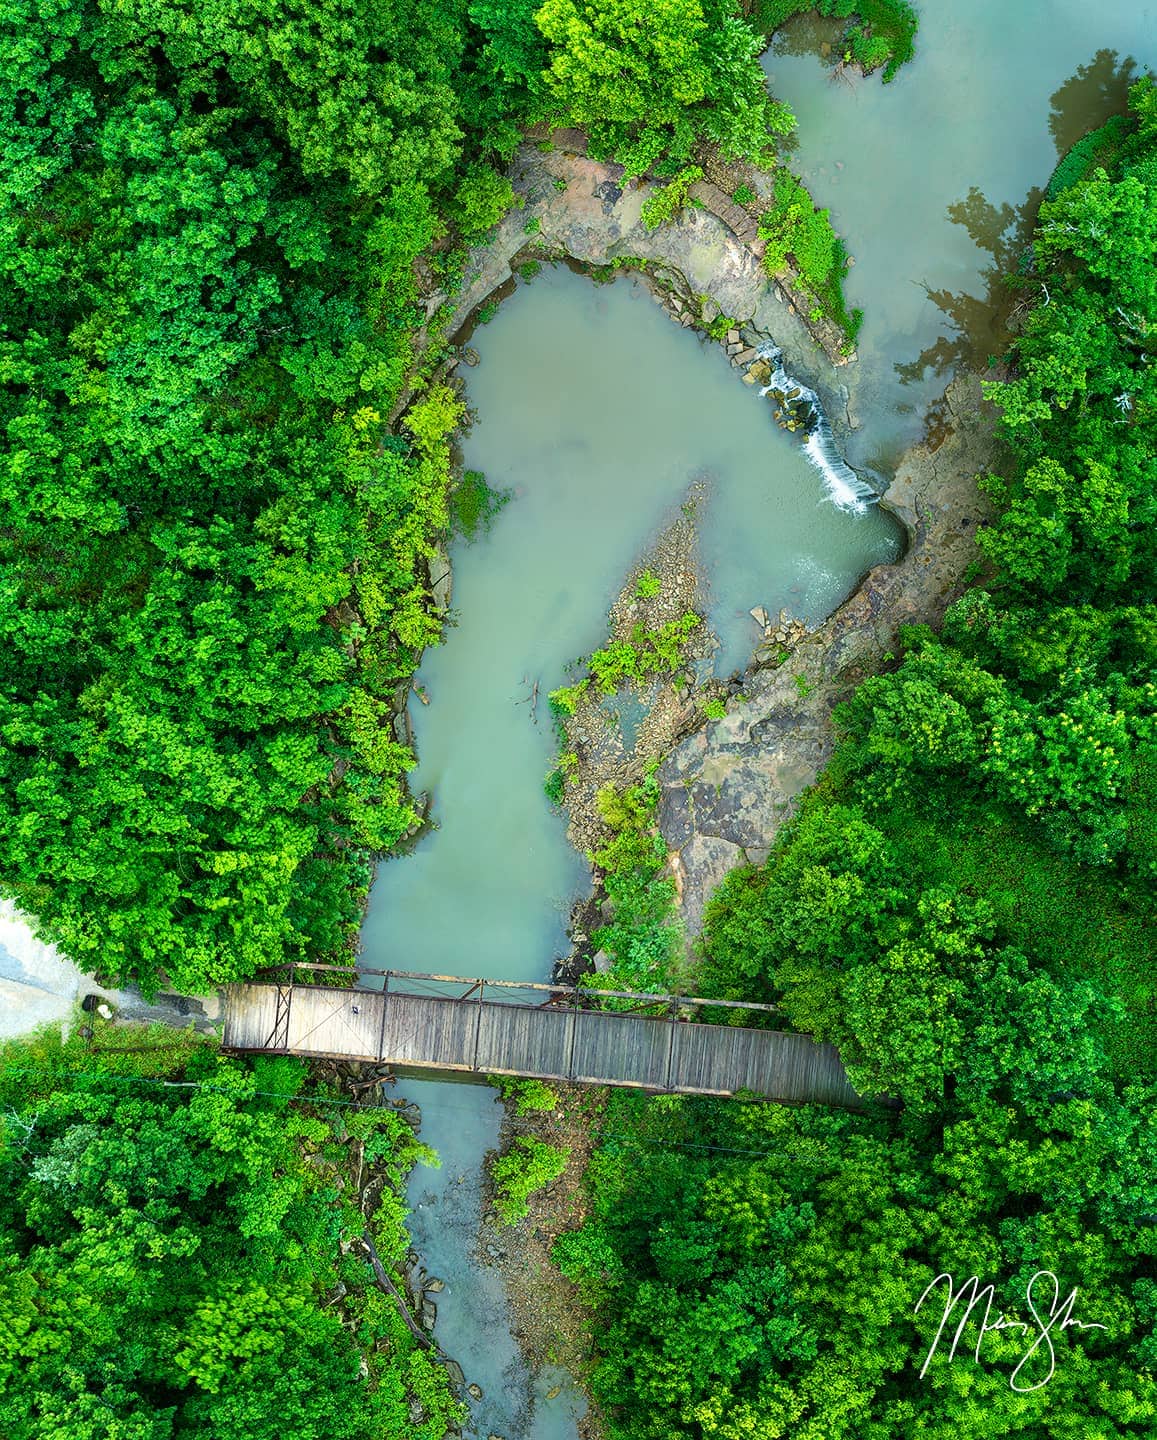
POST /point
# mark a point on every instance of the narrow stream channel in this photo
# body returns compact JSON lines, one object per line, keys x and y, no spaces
{"x":598,"y":413}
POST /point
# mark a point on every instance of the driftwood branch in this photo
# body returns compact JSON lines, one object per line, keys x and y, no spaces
{"x":531,"y":699}
{"x":386,"y":1284}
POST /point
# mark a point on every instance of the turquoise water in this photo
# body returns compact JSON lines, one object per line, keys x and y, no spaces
{"x":597,"y":413}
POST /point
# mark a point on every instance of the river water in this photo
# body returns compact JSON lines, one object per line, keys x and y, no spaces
{"x":598,"y":413}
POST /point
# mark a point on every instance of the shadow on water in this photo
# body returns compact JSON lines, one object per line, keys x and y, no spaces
{"x":1089,"y":97}
{"x":980,"y":327}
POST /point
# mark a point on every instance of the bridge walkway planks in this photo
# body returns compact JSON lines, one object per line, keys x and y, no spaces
{"x":549,"y":1041}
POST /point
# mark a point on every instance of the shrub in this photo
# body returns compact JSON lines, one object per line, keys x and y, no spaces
{"x":474,"y":505}
{"x":527,"y":1167}
{"x":662,"y":205}
{"x":482,"y":198}
{"x":528,"y":1095}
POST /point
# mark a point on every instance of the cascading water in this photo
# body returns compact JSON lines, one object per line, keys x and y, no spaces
{"x":846,"y":490}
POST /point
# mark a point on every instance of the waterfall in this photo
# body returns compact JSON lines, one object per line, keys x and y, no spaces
{"x":846,"y":489}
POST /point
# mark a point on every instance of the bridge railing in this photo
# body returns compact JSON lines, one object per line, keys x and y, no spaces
{"x":420,"y":982}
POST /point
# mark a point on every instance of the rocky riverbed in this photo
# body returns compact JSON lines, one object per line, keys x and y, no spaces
{"x":729,"y":784}
{"x":728,"y":788}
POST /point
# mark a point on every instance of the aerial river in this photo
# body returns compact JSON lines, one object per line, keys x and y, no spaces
{"x":598,"y":413}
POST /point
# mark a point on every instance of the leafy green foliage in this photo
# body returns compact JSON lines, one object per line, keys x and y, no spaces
{"x":214,"y":558}
{"x":1098,"y":148}
{"x":665,"y":204}
{"x":882,"y":32}
{"x":793,"y":227}
{"x":645,"y":654}
{"x":643,"y":937}
{"x":482,"y":198}
{"x":527,"y":1167}
{"x":474,"y":506}
{"x":528,"y":1096}
{"x":165,"y":1250}
{"x":756,"y":1268}
{"x":647,"y":80}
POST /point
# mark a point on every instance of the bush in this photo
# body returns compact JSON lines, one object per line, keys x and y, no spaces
{"x":528,"y":1095}
{"x":481,"y":200}
{"x":662,"y":205}
{"x":883,"y":32}
{"x":527,"y":1167}
{"x":474,"y":506}
{"x":793,"y":228}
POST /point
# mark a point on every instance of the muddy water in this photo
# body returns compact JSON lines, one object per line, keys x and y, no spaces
{"x":597,"y":413}
{"x":929,"y":178}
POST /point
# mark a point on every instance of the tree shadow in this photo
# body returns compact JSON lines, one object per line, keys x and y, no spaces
{"x":1089,"y":97}
{"x":979,"y":328}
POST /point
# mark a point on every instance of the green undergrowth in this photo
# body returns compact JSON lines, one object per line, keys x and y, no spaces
{"x":794,"y":229}
{"x":643,"y":937}
{"x":1098,"y":147}
{"x":526,"y":1095}
{"x":755,"y":1270}
{"x":474,"y":506}
{"x":663,"y":205}
{"x":645,"y":655}
{"x":1076,"y":920}
{"x":527,"y":1167}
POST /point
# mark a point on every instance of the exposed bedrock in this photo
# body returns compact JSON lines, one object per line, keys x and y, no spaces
{"x":728,"y":788}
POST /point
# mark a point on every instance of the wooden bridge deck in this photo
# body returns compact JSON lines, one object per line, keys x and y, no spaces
{"x":553,"y":1040}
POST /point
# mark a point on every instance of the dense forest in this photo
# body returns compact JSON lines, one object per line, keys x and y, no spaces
{"x":966,"y":906}
{"x":229,"y":235}
{"x":178,"y":1256}
{"x":214,"y":547}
